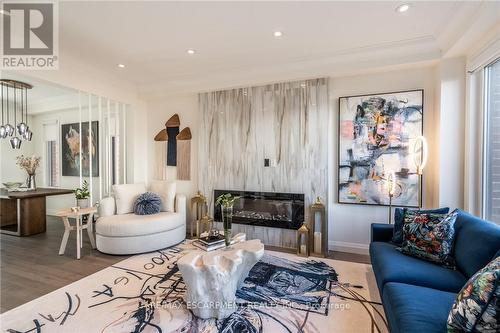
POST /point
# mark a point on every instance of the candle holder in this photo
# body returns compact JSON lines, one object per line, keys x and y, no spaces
{"x":303,"y":241}
{"x":318,"y":229}
{"x":206,"y":225}
{"x":200,"y":209}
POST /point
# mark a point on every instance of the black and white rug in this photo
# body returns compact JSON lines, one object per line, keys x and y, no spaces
{"x":283,"y":293}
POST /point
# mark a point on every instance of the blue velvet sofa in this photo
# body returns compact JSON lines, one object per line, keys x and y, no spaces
{"x":417,"y":295}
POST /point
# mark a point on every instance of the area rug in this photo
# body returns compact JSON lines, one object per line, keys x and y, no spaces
{"x":144,"y":293}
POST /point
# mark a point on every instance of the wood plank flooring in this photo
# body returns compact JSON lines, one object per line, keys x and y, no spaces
{"x":31,"y":267}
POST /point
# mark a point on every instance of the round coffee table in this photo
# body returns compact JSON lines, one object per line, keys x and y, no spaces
{"x":212,"y":278}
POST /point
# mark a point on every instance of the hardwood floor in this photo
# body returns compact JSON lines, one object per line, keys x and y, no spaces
{"x":31,"y":267}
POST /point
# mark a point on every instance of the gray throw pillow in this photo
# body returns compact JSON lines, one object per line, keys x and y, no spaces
{"x":147,"y":204}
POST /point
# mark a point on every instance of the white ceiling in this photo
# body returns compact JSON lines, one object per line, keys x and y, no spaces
{"x":235,"y":44}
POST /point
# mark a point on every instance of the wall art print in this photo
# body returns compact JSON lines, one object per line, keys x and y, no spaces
{"x":70,"y":146}
{"x":376,"y":136}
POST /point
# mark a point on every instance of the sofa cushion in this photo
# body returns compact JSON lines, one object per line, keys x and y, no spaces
{"x":166,"y":190}
{"x":136,"y":225}
{"x":416,"y":309}
{"x":390,"y":265}
{"x":476,"y":243}
{"x":125,"y":196}
{"x":397,"y":237}
{"x":477,"y":306}
{"x":429,"y":236}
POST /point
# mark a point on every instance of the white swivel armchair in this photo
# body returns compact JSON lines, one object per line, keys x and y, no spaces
{"x":120,"y":231}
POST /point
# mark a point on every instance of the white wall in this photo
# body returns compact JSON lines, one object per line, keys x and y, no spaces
{"x":349,"y":225}
{"x":159,"y":111}
{"x":450,"y":77}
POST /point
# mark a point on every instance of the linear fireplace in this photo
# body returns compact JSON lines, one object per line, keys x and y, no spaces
{"x":269,"y":209}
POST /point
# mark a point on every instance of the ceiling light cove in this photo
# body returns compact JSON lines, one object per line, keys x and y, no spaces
{"x":403,"y":8}
{"x":277,"y":34}
{"x":191,"y":51}
{"x":121,"y":65}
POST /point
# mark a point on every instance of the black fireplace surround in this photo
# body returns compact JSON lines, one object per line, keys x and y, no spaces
{"x":268,"y":209}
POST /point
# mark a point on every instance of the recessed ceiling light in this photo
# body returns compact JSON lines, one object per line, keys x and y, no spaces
{"x":277,"y":34}
{"x":402,"y":8}
{"x":121,"y":65}
{"x":191,"y":51}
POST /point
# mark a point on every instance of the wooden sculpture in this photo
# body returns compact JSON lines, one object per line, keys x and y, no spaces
{"x":184,"y":154}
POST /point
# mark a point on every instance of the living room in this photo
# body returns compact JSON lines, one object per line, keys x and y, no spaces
{"x":250,"y":166}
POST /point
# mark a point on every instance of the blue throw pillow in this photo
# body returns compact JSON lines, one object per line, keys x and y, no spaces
{"x":397,"y":236}
{"x":477,"y":306}
{"x":147,"y":204}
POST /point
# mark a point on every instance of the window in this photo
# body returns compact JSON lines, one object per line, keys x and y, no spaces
{"x":491,"y":180}
{"x":51,"y":158}
{"x":52,"y":164}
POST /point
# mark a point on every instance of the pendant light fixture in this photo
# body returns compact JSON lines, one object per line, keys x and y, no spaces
{"x":15,"y":97}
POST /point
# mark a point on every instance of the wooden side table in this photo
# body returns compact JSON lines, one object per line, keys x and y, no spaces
{"x":78,"y":216}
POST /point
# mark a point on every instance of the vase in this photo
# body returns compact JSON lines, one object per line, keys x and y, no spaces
{"x":30,"y":182}
{"x":227,"y":220}
{"x":82,"y":203}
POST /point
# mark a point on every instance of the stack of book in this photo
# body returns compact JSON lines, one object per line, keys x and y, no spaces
{"x":210,"y":243}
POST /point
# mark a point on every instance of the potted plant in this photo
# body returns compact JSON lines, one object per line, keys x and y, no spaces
{"x":226,"y":203}
{"x":82,"y":195}
{"x":29,"y":164}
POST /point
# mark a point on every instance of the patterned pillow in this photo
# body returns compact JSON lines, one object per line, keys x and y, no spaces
{"x":477,"y":307}
{"x":399,"y":214}
{"x":429,"y":236}
{"x":147,"y":204}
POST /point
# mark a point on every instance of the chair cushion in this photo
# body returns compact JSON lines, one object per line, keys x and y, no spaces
{"x":415,"y":309}
{"x":397,"y":237}
{"x":477,"y":306}
{"x":125,"y":196}
{"x":476,"y":242}
{"x":390,"y":265}
{"x":429,"y":236}
{"x":166,"y":190}
{"x":136,"y":225}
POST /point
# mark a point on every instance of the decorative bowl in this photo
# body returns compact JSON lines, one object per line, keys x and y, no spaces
{"x":10,"y":186}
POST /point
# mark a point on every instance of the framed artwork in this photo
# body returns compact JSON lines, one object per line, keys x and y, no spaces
{"x":70,"y":146}
{"x":376,"y":137}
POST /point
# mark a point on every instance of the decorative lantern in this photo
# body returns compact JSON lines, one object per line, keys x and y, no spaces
{"x":319,"y":231}
{"x":199,"y":209}
{"x":303,"y":241}
{"x":206,"y":225}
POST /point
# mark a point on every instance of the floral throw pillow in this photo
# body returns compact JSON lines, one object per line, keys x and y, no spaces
{"x":429,"y":236}
{"x":477,"y":307}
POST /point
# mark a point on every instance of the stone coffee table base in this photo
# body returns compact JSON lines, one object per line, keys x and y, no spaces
{"x":212,"y":278}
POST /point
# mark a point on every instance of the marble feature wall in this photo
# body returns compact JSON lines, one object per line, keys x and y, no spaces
{"x":284,"y":122}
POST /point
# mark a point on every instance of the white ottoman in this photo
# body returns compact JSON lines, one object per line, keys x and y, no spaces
{"x":212,"y":278}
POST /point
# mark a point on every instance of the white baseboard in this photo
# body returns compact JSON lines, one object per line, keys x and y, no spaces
{"x":357,"y":248}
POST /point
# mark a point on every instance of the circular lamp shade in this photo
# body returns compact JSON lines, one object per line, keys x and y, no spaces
{"x":22,"y":128}
{"x":28,"y":135}
{"x":10,"y":129}
{"x":15,"y":143}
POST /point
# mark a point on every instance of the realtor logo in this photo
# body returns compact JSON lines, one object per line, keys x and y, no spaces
{"x":29,"y":35}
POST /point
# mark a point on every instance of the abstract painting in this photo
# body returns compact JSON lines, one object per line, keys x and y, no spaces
{"x":376,"y":137}
{"x":70,"y":145}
